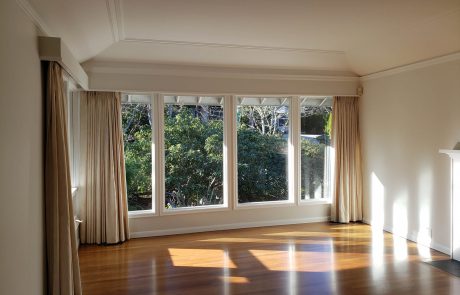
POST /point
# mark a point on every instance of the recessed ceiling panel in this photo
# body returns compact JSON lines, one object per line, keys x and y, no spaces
{"x":226,"y":56}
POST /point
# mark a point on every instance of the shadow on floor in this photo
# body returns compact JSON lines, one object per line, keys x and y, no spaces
{"x":450,"y":266}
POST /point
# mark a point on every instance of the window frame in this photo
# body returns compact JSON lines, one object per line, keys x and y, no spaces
{"x":292,"y":183}
{"x":230,"y":160}
{"x":307,"y":202}
{"x":73,"y":130}
{"x":161,"y":160}
{"x":72,"y":105}
{"x":152,"y":211}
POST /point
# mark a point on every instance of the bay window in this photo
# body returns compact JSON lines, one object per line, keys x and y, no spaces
{"x":187,"y":153}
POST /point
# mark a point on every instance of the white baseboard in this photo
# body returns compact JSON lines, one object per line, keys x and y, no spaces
{"x":440,"y":248}
{"x":197,"y":229}
{"x":413,"y":238}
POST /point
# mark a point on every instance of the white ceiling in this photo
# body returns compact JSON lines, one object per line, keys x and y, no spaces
{"x":359,"y":36}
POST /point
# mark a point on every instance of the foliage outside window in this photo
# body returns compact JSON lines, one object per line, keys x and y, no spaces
{"x":193,"y":150}
{"x":262,"y":135}
{"x":137,"y":137}
{"x":193,"y":143}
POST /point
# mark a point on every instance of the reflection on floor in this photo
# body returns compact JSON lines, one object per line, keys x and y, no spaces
{"x":316,"y":258}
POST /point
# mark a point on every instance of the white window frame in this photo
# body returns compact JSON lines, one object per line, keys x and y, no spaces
{"x":230,"y":171}
{"x":161,"y":160}
{"x":292,"y":182}
{"x":71,"y":110}
{"x":154,"y":150}
{"x":72,"y":105}
{"x":307,"y":202}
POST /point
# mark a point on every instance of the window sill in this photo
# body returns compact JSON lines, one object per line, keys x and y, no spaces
{"x":197,"y":209}
{"x":141,"y":214}
{"x":220,"y":208}
{"x":315,"y":202}
{"x":253,"y":205}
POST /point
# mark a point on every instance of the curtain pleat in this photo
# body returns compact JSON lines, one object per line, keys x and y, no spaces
{"x":347,"y":203}
{"x":104,"y":207}
{"x":62,"y":257}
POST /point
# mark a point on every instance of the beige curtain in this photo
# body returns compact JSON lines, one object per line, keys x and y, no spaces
{"x":347,"y":203}
{"x":104,"y":208}
{"x":62,"y":257}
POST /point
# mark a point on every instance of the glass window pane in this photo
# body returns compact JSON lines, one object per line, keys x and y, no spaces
{"x":137,"y":137}
{"x":262,"y":134}
{"x":193,"y":145}
{"x":315,"y":152}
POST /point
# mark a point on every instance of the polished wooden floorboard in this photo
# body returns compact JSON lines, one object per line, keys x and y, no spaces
{"x":316,"y":258}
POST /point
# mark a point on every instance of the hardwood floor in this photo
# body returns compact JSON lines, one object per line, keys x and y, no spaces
{"x":316,"y":258}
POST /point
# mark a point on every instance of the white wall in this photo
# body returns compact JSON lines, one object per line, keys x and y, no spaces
{"x":230,"y":219}
{"x":406,"y":118}
{"x":22,"y":260}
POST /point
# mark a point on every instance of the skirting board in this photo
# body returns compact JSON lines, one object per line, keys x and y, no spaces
{"x":197,"y":229}
{"x":413,"y":238}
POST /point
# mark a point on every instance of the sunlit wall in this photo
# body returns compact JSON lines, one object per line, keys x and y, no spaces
{"x":406,"y":118}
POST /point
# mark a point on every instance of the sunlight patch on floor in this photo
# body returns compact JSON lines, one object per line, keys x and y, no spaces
{"x":234,"y":280}
{"x":265,"y":241}
{"x":216,"y":258}
{"x":357,"y":234}
{"x":292,"y":260}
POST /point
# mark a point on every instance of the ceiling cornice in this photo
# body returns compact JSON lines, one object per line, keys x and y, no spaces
{"x":35,"y":18}
{"x":116,"y":19}
{"x":238,"y":46}
{"x":413,"y":66}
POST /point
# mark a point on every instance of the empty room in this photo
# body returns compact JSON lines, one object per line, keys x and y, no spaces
{"x":230,"y":147}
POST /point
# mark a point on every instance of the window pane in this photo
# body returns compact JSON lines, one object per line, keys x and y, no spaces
{"x":137,"y":136}
{"x":315,"y":151}
{"x":193,"y":137}
{"x":263,"y":132}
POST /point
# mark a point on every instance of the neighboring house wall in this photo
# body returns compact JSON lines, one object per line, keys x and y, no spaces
{"x":406,"y":117}
{"x":22,"y":255}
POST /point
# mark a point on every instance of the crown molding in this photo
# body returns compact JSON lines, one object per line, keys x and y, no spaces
{"x":35,"y":17}
{"x":229,"y":45}
{"x":213,"y":72}
{"x":115,"y":15}
{"x":413,"y":66}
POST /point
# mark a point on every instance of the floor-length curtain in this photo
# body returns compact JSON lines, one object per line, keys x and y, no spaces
{"x":62,"y":257}
{"x":347,"y":203}
{"x":103,"y":208}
